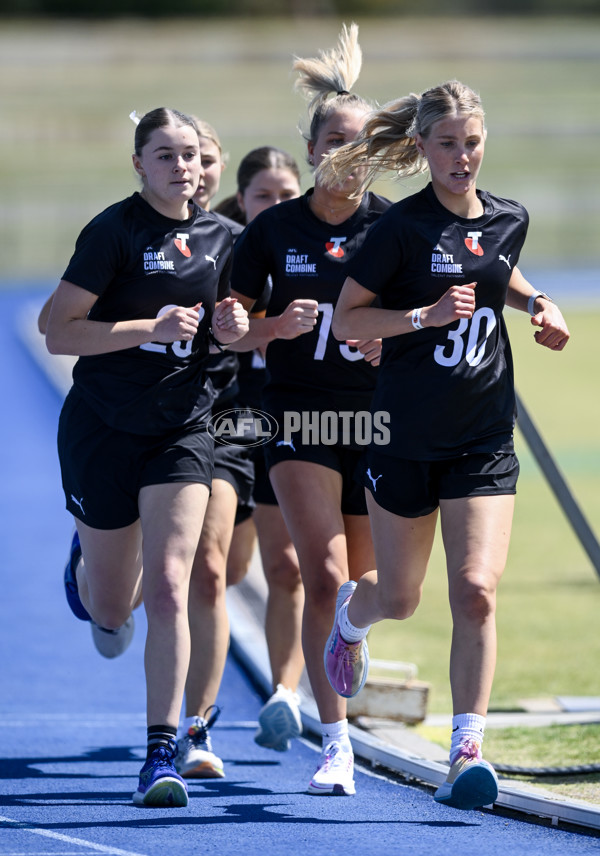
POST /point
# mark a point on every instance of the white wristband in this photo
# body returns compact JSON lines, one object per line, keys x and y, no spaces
{"x":416,"y":318}
{"x":533,"y":298}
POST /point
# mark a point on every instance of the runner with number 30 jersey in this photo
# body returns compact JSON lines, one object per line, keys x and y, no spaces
{"x":443,"y":264}
{"x":424,"y":377}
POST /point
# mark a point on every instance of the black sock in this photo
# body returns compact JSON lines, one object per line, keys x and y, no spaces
{"x":161,"y":735}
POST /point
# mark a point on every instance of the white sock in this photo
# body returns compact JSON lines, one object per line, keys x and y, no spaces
{"x":466,"y":726}
{"x":350,"y":633}
{"x":335,"y":731}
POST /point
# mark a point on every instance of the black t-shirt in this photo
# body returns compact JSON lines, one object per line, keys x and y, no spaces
{"x":223,"y":368}
{"x":307,"y":258}
{"x":447,"y":389}
{"x":140,"y":264}
{"x":252,"y":372}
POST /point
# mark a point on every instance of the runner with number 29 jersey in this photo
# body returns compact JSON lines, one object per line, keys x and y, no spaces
{"x":425,"y":375}
{"x":307,"y":259}
{"x":148,"y":264}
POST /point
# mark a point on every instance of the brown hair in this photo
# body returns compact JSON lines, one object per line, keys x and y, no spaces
{"x":161,"y":117}
{"x":257,"y":160}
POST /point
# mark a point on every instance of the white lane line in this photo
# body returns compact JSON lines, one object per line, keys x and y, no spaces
{"x":19,"y":720}
{"x":69,"y":839}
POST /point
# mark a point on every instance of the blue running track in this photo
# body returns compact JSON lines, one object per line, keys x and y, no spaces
{"x":73,"y":728}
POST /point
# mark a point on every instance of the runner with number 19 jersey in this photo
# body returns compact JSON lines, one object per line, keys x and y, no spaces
{"x":307,"y":259}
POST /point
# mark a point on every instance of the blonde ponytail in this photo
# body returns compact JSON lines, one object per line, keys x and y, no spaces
{"x":334,"y":71}
{"x":326,"y":81}
{"x":387,"y":140}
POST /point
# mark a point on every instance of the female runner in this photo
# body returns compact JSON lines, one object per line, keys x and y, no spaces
{"x":443,"y":264}
{"x":141,"y":301}
{"x":267,"y":176}
{"x":305,"y":245}
{"x":275,"y":177}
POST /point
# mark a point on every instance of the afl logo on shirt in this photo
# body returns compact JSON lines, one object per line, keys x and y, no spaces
{"x":334,"y":247}
{"x":181,"y":244}
{"x":472,"y":243}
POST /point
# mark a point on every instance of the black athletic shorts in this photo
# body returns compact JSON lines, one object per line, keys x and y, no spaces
{"x":342,"y":459}
{"x":336,"y":453}
{"x":234,"y":465}
{"x":263,"y":489}
{"x":414,"y":488}
{"x":103,"y":470}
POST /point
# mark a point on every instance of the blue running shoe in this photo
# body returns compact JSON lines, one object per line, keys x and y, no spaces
{"x":76,"y":606}
{"x":160,"y":785}
{"x":471,"y":783}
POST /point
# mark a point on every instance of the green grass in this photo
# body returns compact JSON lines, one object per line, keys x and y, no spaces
{"x":69,"y":87}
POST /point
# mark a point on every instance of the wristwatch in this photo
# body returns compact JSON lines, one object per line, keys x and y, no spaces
{"x":533,"y":297}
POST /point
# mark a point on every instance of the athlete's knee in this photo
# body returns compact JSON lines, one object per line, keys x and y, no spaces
{"x":321,"y":591}
{"x":473,"y":596}
{"x":208,"y":580}
{"x":283,"y":573}
{"x":166,"y":587}
{"x":398,"y":605}
{"x":236,"y":572}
